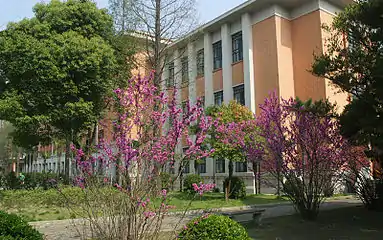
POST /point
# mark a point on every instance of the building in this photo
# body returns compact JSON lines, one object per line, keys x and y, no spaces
{"x":258,"y":47}
{"x":249,"y":51}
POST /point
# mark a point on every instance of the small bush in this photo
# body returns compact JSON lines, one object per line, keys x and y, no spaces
{"x":189,"y":180}
{"x":237,"y":188}
{"x":13,"y":227}
{"x":12,"y":181}
{"x":213,"y":227}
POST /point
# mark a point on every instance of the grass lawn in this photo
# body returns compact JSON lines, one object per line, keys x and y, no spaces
{"x":39,"y":205}
{"x":354,"y":223}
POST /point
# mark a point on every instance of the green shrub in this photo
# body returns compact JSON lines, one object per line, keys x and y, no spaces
{"x":12,"y":181}
{"x":45,"y":180}
{"x":190,"y":179}
{"x":237,"y":188}
{"x":213,"y":227}
{"x":13,"y":227}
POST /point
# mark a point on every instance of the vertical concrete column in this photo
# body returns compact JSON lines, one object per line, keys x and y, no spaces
{"x":226,"y":63}
{"x":248,"y":61}
{"x":208,"y":55}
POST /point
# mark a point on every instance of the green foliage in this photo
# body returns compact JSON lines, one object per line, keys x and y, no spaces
{"x":13,"y":227}
{"x":213,"y":227}
{"x":43,"y":180}
{"x":190,"y":179}
{"x":356,"y":68}
{"x":237,"y":188}
{"x":166,"y":180}
{"x":57,"y":69}
{"x":227,"y":113}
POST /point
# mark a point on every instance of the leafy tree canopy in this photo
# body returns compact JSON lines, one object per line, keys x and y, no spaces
{"x":227,"y":113}
{"x":354,"y":63}
{"x":56,"y":69}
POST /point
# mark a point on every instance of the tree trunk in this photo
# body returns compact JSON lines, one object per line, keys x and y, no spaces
{"x":259,"y":178}
{"x":67,"y":159}
{"x":157,"y":46}
{"x":231,"y":170}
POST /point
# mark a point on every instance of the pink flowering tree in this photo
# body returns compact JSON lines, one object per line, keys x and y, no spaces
{"x":303,"y":151}
{"x":148,"y":130}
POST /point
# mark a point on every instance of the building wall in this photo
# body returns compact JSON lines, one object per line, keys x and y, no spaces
{"x":307,"y":41}
{"x":265,"y":59}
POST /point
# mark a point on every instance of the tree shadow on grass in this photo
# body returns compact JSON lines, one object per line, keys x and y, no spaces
{"x":345,"y":223}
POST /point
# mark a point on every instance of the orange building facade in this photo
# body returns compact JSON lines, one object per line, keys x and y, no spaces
{"x":256,"y":48}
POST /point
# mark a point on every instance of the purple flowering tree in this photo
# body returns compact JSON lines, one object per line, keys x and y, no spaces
{"x":304,"y":152}
{"x":148,"y":131}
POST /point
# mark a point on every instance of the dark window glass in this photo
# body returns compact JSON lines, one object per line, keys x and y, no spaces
{"x":239,"y":94}
{"x":201,"y":166}
{"x":170,"y":79}
{"x":218,"y":98}
{"x":220,"y":165}
{"x":185,"y":70}
{"x":200,"y":63}
{"x":217,"y":55}
{"x":241,"y":166}
{"x":237,"y":47}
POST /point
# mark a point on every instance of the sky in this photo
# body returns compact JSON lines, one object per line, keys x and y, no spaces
{"x":15,"y":10}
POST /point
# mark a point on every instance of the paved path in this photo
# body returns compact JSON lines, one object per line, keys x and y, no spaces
{"x":66,"y":230}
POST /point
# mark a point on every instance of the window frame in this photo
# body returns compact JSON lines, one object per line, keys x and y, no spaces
{"x":237,"y":47}
{"x":171,"y":75}
{"x":199,"y":166}
{"x":185,"y":69}
{"x":239,"y":166}
{"x":238,"y":90}
{"x":218,"y":162}
{"x":201,"y":63}
{"x":217,"y":55}
{"x":218,"y":95}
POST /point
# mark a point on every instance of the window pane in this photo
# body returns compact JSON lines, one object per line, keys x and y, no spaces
{"x":239,"y":94}
{"x":241,"y":166}
{"x":218,"y":98}
{"x":170,"y":79}
{"x":220,"y":166}
{"x":237,"y":47}
{"x":217,"y":55}
{"x":201,"y":166}
{"x":185,"y":70}
{"x":200,"y":62}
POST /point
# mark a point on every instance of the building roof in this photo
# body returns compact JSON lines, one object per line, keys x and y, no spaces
{"x":253,"y":6}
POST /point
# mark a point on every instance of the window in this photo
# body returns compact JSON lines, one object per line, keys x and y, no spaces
{"x":220,"y":165}
{"x":200,"y":63}
{"x":170,"y":74}
{"x":237,"y":47}
{"x":217,"y":55}
{"x":241,"y":166}
{"x":185,"y":70}
{"x":54,"y":167}
{"x":239,"y":94}
{"x":201,"y":166}
{"x":186,"y":168}
{"x":218,"y":98}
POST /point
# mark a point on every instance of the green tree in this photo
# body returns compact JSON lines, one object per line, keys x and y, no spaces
{"x":227,"y":113}
{"x":57,"y":69}
{"x":354,"y":63}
